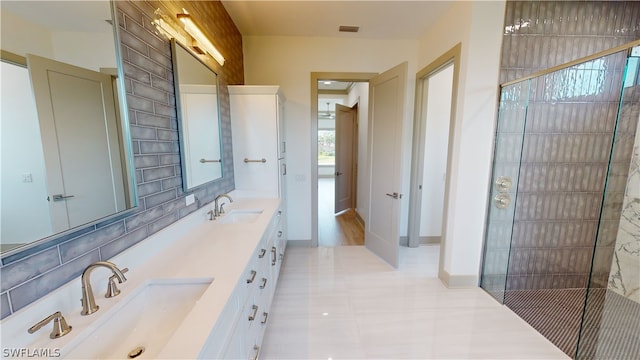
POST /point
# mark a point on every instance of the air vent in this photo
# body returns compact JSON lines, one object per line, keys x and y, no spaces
{"x":353,"y":29}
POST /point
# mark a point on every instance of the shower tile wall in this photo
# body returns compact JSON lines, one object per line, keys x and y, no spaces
{"x":152,"y":113}
{"x":543,"y":34}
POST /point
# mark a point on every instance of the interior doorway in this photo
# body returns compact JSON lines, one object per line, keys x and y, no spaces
{"x":434,"y":126}
{"x":339,"y":133}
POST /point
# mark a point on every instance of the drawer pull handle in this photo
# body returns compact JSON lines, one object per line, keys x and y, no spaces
{"x":262,"y":252}
{"x":273,"y":255}
{"x":255,"y":312}
{"x":252,"y":277}
{"x":266,"y":316}
{"x":256,"y":348}
{"x":280,"y":233}
{"x":264,"y":283}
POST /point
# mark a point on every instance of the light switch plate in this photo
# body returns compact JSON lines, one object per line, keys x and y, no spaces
{"x":190,"y":199}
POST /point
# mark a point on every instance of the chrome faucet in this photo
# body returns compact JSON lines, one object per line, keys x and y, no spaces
{"x":217,"y":209}
{"x":88,"y":300}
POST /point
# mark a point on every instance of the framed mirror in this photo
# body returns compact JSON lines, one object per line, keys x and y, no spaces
{"x":66,"y":149}
{"x":197,"y":100}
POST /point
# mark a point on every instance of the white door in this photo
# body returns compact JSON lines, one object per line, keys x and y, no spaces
{"x":344,"y":176}
{"x":386,"y":112}
{"x":76,"y":110}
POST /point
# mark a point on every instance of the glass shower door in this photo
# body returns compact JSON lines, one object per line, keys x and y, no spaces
{"x":512,"y":116}
{"x":610,"y":326}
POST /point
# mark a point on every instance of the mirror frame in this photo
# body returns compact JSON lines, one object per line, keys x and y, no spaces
{"x":181,"y":127}
{"x":49,"y":241}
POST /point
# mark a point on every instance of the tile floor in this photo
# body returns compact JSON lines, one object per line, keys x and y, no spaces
{"x":346,"y":303}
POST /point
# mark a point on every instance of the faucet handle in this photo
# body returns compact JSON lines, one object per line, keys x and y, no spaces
{"x":221,"y":211}
{"x":60,"y":326}
{"x":112,"y":288}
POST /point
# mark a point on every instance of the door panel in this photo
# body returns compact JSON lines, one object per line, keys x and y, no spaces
{"x":344,"y":176}
{"x":386,"y":112}
{"x":76,"y":110}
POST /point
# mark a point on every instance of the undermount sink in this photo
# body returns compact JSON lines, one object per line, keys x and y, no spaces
{"x":141,"y":324}
{"x":240,"y":216}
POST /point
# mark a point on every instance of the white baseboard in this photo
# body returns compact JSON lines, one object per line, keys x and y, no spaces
{"x":458,"y":281}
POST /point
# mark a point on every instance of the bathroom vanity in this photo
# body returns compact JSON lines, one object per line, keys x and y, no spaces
{"x":199,"y":288}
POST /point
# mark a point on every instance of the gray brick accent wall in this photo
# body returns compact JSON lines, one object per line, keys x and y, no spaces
{"x":152,"y":115}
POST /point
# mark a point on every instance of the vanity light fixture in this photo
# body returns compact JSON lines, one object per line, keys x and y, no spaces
{"x":168,"y":31}
{"x":201,"y":39}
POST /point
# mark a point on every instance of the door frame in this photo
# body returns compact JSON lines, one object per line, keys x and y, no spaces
{"x":315,"y":77}
{"x":452,"y":56}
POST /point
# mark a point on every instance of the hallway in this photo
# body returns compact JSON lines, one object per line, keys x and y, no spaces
{"x":335,"y":230}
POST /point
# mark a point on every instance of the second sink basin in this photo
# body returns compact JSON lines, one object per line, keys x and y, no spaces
{"x":240,"y":216}
{"x":141,"y":324}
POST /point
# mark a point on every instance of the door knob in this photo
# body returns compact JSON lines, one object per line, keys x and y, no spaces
{"x":338,"y":173}
{"x":395,"y":195}
{"x":61,"y":197}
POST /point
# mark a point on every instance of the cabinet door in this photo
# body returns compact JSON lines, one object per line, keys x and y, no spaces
{"x":255,"y":137}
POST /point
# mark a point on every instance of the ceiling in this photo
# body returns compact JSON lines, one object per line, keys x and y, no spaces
{"x":376,"y":19}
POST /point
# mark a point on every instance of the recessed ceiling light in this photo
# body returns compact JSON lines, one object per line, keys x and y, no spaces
{"x":345,"y":28}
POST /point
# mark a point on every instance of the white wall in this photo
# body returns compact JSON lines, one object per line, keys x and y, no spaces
{"x":438,"y":117}
{"x":90,"y":50}
{"x":21,"y":37}
{"x":87,"y":50}
{"x":288,"y":62}
{"x":478,"y":26}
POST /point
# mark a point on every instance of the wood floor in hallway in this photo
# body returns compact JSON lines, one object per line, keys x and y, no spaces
{"x":336,"y":229}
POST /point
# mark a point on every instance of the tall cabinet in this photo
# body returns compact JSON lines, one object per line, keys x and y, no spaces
{"x":259,"y":146}
{"x":260,"y":169}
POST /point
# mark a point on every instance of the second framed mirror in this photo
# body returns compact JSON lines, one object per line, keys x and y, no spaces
{"x":198,"y":105}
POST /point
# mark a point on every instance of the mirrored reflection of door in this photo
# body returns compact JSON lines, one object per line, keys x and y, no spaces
{"x":77,"y":111}
{"x":202,"y":145}
{"x":346,"y":148}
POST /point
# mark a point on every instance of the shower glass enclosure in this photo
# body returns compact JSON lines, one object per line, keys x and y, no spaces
{"x":562,"y":241}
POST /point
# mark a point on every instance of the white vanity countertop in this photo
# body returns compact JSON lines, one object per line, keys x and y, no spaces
{"x":208,"y":250}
